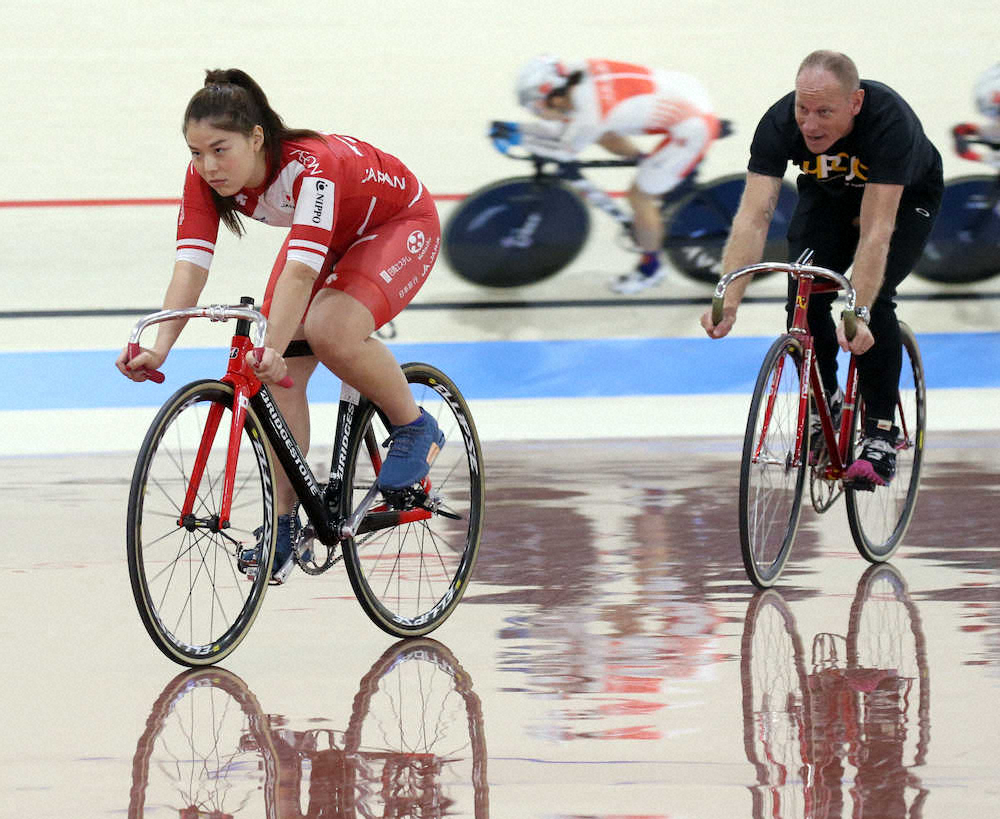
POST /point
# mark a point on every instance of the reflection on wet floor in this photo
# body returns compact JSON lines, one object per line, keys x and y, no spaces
{"x":609,"y":636}
{"x":414,"y":747}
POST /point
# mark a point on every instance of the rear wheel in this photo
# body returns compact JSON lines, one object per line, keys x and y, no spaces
{"x":517,"y":231}
{"x":193,"y":600}
{"x":409,"y":575}
{"x":773,"y":468}
{"x":698,"y":226}
{"x":879,"y":518}
{"x":964,"y":245}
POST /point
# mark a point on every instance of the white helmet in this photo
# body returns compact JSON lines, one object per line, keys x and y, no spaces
{"x":988,"y":93}
{"x":538,"y":78}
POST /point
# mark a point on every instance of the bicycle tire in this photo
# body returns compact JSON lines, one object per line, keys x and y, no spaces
{"x":515,"y":232}
{"x":698,"y":226}
{"x":201,"y":621}
{"x":424,"y":750}
{"x":879,"y":519}
{"x":771,"y":479}
{"x":964,"y":244}
{"x":410,"y":577}
{"x":777,"y":708}
{"x":885,"y":631}
{"x":206,"y":743}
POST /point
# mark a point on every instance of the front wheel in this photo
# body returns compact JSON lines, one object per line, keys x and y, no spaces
{"x":410,"y":576}
{"x":774,"y":465}
{"x":879,"y":518}
{"x":193,"y":600}
{"x":698,"y":226}
{"x":514,"y":232}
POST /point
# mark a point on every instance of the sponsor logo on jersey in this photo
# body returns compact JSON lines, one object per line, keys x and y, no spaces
{"x":415,"y":241}
{"x":307,"y":160}
{"x":315,"y":205}
{"x":388,"y":272}
{"x":375,"y":175}
{"x":836,"y":166}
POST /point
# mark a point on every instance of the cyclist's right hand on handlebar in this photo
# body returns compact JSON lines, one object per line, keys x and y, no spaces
{"x":504,"y":135}
{"x":723,"y":327}
{"x":142,"y":366}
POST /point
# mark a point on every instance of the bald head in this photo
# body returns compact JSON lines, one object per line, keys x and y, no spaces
{"x":839,"y":65}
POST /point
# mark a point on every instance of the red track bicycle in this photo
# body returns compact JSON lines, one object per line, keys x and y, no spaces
{"x":776,"y":444}
{"x":203,"y":491}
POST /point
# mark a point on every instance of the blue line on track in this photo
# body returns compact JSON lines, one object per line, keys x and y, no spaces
{"x":489,"y":369}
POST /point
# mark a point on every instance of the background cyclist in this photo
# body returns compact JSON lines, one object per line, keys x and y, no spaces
{"x":987,"y":97}
{"x":870,"y":185}
{"x":363,"y":236}
{"x":607,"y":102}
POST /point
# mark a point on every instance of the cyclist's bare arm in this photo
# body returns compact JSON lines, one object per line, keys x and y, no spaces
{"x":878,"y":220}
{"x":291,"y":297}
{"x":745,"y":245}
{"x":186,"y":284}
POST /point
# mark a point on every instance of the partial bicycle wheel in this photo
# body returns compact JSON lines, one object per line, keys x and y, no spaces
{"x":698,"y":226}
{"x":879,"y":518}
{"x":517,"y":231}
{"x":409,"y":577}
{"x":776,"y":708}
{"x":416,"y":736}
{"x":886,"y":634}
{"x":205,"y":752}
{"x":964,"y":245}
{"x":193,"y":600}
{"x":773,"y":469}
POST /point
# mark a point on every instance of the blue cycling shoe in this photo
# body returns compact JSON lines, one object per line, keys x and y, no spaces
{"x":284,"y":561}
{"x":412,"y":449}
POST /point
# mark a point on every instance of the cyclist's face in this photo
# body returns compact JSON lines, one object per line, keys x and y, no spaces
{"x":226,"y":160}
{"x":824,"y":111}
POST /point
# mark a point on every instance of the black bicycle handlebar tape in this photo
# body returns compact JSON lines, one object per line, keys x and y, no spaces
{"x":850,"y":324}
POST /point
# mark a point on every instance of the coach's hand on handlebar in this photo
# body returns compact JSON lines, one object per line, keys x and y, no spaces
{"x":862,"y":341}
{"x":504,"y":135}
{"x":725,"y":323}
{"x":140,"y":367}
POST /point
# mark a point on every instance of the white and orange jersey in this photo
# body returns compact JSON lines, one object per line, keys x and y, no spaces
{"x":627,"y":99}
{"x":330,"y":191}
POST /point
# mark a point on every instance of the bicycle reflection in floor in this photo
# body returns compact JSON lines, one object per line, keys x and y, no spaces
{"x":414,"y":746}
{"x":862,"y":705}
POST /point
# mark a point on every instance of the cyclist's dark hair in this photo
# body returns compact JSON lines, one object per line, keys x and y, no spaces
{"x":231,"y":101}
{"x":840,"y":65}
{"x":563,"y":90}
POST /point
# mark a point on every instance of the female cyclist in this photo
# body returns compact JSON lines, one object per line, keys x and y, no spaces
{"x":363,"y":236}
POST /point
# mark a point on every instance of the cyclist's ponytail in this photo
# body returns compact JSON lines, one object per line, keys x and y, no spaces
{"x":232,"y":101}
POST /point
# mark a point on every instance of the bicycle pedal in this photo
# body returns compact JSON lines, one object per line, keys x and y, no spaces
{"x":860,"y":485}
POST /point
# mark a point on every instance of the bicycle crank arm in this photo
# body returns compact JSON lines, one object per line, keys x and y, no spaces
{"x":390,"y":518}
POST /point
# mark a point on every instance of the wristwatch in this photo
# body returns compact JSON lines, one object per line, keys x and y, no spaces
{"x":863,"y":313}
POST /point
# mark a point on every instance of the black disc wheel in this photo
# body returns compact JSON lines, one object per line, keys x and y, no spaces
{"x":193,"y":600}
{"x":698,"y":226}
{"x":964,"y":245}
{"x":516,"y":232}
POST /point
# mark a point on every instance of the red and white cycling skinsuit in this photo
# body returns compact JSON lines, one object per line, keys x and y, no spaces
{"x":358,"y":217}
{"x":627,"y":99}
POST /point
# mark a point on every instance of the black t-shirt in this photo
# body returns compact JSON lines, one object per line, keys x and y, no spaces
{"x":887,"y":144}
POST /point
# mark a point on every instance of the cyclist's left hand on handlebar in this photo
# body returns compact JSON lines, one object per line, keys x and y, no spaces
{"x":862,"y":341}
{"x":141,"y":366}
{"x":504,"y":135}
{"x":723,"y":327}
{"x":270,"y":368}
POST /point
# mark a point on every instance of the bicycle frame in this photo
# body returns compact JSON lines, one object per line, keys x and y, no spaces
{"x":322,"y":504}
{"x":809,"y":378}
